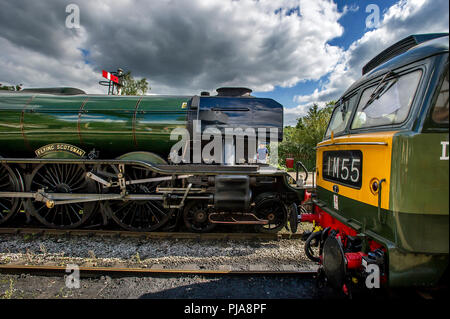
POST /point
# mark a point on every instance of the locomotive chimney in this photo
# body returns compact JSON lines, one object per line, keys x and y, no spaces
{"x":234,"y":91}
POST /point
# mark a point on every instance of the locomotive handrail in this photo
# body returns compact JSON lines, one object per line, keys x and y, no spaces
{"x":380,"y":217}
{"x":353,"y":143}
{"x":304,"y":168}
{"x":313,"y":176}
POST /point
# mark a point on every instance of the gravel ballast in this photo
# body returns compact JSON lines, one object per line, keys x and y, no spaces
{"x":165,"y":253}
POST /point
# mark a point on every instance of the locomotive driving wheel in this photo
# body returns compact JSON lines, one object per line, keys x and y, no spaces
{"x":196,"y":217}
{"x":61,"y":178}
{"x":271,"y":208}
{"x":138,"y":215}
{"x":9,"y":182}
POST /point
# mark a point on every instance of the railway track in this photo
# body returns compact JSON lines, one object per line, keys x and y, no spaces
{"x":136,"y":270}
{"x":149,"y":235}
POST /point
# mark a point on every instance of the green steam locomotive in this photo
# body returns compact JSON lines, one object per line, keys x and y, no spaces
{"x":68,"y":156}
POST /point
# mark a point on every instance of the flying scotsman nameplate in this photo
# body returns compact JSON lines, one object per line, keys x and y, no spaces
{"x":59,"y":147}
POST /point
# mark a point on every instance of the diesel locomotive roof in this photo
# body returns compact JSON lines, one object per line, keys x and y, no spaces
{"x":416,"y":53}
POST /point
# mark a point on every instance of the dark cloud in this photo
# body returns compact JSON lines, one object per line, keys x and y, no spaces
{"x":35,"y":25}
{"x":179,"y":46}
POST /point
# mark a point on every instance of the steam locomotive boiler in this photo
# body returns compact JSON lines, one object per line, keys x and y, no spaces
{"x":67,"y":156}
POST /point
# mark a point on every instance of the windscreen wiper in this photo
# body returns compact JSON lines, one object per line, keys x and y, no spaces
{"x":381,"y":89}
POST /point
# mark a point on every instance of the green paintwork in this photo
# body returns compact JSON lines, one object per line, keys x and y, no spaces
{"x":11,"y":106}
{"x":143,"y":156}
{"x":406,"y":267}
{"x":357,"y":214}
{"x":423,"y":175}
{"x":419,"y":189}
{"x":113,"y":125}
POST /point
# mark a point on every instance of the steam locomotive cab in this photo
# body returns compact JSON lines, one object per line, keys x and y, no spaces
{"x":241,"y":121}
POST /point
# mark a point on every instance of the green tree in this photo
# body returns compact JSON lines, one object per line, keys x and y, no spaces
{"x":299,"y":142}
{"x":132,"y":86}
{"x":11,"y":88}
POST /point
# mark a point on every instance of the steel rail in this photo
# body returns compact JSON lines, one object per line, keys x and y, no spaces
{"x":148,"y":235}
{"x":8,"y":268}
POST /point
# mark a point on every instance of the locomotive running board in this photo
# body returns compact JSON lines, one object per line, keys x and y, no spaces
{"x":193,"y":169}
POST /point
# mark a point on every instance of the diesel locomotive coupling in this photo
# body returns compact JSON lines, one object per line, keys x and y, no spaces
{"x":145,"y":162}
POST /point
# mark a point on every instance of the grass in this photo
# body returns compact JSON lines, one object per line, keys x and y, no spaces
{"x":138,"y":258}
{"x":62,"y":293}
{"x":92,"y":254}
{"x":9,"y":292}
{"x":42,"y":248}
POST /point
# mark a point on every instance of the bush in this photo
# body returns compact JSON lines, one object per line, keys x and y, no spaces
{"x":300,"y":141}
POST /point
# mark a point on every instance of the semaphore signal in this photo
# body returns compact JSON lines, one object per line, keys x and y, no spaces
{"x":114,"y":82}
{"x":110,"y":76}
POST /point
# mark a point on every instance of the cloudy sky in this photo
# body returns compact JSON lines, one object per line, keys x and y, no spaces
{"x":295,"y":51}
